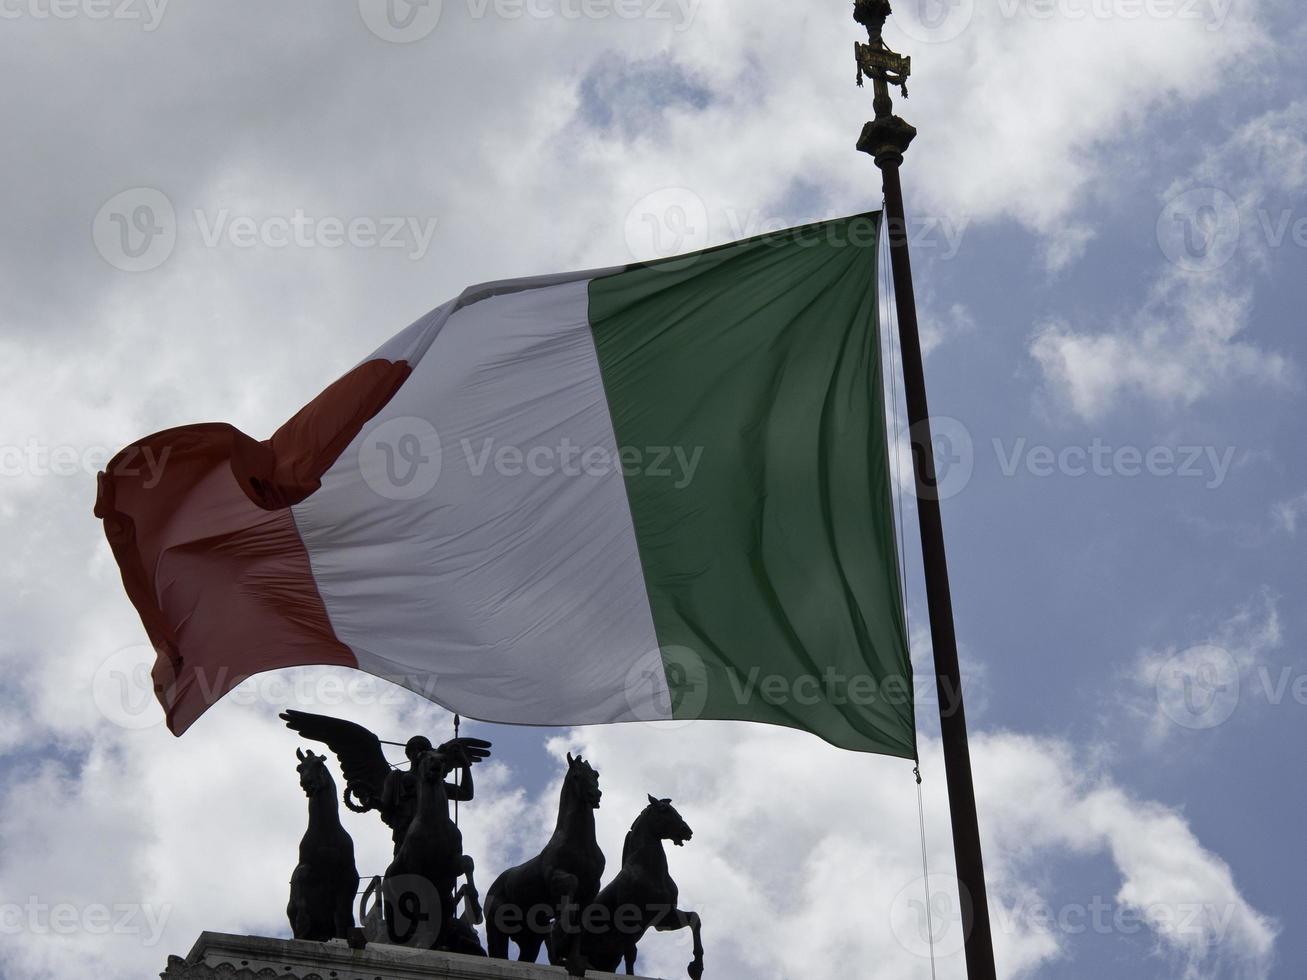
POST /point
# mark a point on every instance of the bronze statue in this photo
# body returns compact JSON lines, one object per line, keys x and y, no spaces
{"x":418,"y":896}
{"x":548,"y":893}
{"x":642,"y":896}
{"x":418,"y":893}
{"x":371,"y":780}
{"x":323,"y":884}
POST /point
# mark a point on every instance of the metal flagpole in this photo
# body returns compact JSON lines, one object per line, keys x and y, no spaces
{"x":458,"y":773}
{"x":886,"y":139}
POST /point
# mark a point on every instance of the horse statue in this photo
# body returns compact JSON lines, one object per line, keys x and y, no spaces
{"x":323,"y":884}
{"x":418,"y":891}
{"x":643,"y":895}
{"x":563,"y":879}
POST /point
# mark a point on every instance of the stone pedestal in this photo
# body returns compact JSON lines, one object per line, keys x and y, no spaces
{"x":217,"y":956}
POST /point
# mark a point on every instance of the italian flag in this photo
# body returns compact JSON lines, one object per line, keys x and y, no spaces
{"x":656,"y":492}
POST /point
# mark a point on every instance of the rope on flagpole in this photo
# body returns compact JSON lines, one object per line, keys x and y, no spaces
{"x":925,"y":871}
{"x":891,"y":316}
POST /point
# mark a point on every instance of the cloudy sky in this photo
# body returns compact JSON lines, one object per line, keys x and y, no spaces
{"x":213,"y":209}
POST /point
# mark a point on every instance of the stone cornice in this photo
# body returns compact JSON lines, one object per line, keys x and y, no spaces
{"x":218,"y":956}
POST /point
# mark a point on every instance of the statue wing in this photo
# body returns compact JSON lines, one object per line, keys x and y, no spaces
{"x":358,"y":750}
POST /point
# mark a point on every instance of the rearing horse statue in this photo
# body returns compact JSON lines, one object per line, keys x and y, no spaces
{"x":539,"y":902}
{"x":643,"y":895}
{"x":323,"y":884}
{"x":419,"y":888}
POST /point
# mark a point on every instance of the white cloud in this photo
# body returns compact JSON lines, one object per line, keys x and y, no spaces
{"x":1189,"y":339}
{"x":1035,"y":98}
{"x":1287,"y":513}
{"x":941,"y":325}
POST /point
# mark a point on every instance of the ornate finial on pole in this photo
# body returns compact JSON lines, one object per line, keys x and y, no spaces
{"x":887,"y":137}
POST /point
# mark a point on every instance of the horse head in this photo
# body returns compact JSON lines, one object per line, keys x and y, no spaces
{"x":314,"y":775}
{"x":660,"y":819}
{"x":431,"y":767}
{"x":583,"y":780}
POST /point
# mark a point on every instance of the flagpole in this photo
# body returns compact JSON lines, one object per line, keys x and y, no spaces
{"x":886,"y":139}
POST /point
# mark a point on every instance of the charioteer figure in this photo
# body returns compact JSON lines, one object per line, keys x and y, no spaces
{"x":397,"y":802}
{"x":420,"y":891}
{"x":372,"y":783}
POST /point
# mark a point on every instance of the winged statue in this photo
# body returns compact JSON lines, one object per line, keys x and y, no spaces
{"x":372,"y":783}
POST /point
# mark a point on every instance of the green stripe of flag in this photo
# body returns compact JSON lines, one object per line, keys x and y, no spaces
{"x":772,"y":574}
